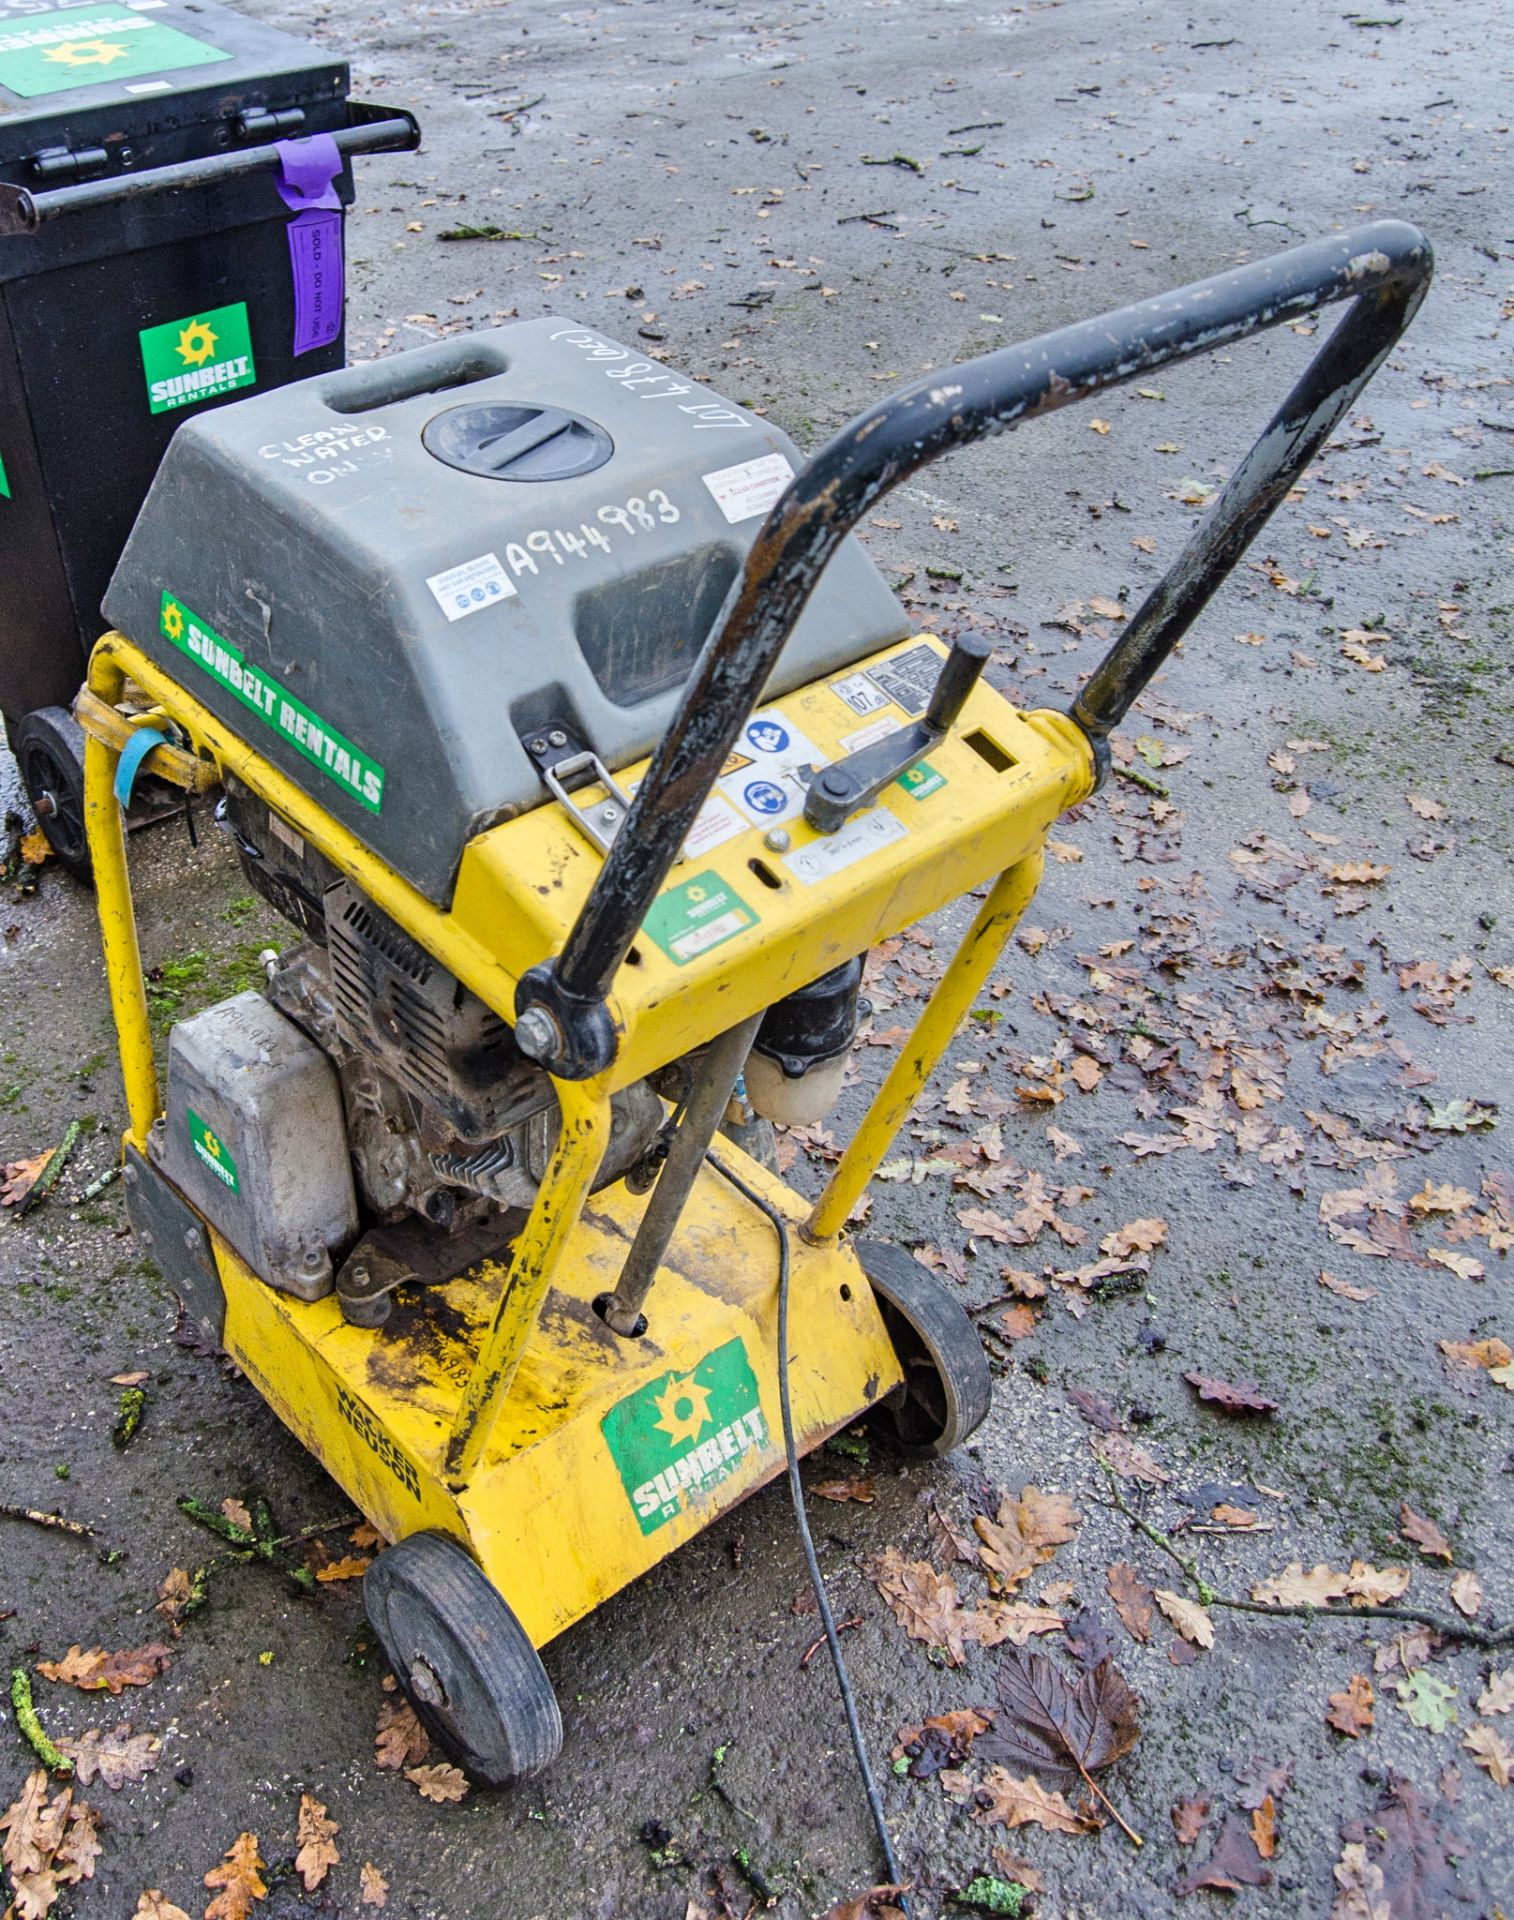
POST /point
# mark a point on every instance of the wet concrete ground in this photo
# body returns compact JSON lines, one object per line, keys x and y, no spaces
{"x":693,"y":177}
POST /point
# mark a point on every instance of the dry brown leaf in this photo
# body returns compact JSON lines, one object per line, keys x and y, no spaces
{"x":399,"y":1740}
{"x":1025,"y":1534}
{"x":351,"y":1566}
{"x":1466,"y":1593}
{"x":238,"y":1880}
{"x":20,"y":1176}
{"x":119,"y":1758}
{"x":1187,"y":1616}
{"x":1122,"y":1456}
{"x":1295,"y":1588}
{"x":1264,"y":1827}
{"x":1375,"y":1586}
{"x":1188,"y":1818}
{"x":1491,"y":1752}
{"x":1360,"y":1882}
{"x":1345,"y":1289}
{"x":365,"y":1538}
{"x":1477,"y":1353}
{"x":373,"y":1886}
{"x":1498,"y":1695}
{"x":156,"y":1905}
{"x":1140,"y":1236}
{"x":1005,"y":1801}
{"x":1230,"y":1396}
{"x":1132,"y":1600}
{"x":174,"y":1595}
{"x":1013,"y":1620}
{"x":1350,"y":1712}
{"x":1423,"y":1533}
{"x":924,"y":1602}
{"x":1088,"y":1073}
{"x":318,"y":1852}
{"x":858,"y":1487}
{"x":36,"y":847}
{"x":98,"y":1670}
{"x":443,"y":1783}
{"x":877,"y":1903}
{"x":236,"y":1512}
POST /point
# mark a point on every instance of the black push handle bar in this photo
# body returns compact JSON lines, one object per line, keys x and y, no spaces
{"x":372,"y":130}
{"x":1384,"y":270}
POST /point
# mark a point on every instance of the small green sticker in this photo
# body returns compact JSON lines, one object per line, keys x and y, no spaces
{"x":307,"y":732}
{"x":679,"y":1436}
{"x":702,"y":913}
{"x":5,"y":482}
{"x":921,"y":779}
{"x":212,"y":1151}
{"x":200,"y":357}
{"x":93,"y":46}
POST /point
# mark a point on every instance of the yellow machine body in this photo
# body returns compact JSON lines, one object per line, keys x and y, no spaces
{"x":499,"y":1408}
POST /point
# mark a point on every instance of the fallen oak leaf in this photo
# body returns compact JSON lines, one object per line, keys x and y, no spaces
{"x":318,"y":1852}
{"x":1006,"y":1801}
{"x":1132,"y":1600}
{"x":351,"y":1566}
{"x":1063,"y":1730}
{"x":859,"y":1488}
{"x":1466,"y":1593}
{"x":1140,"y":1236}
{"x":443,"y":1784}
{"x":99,"y":1671}
{"x":20,"y":1176}
{"x":1375,"y":1586}
{"x":924,"y":1602}
{"x":154,"y":1904}
{"x":1345,"y":1289}
{"x":1423,"y":1533}
{"x":1295,"y":1588}
{"x":1188,"y":1818}
{"x":1350,"y":1711}
{"x":1190,"y":1619}
{"x":1014,"y":1620}
{"x":1234,"y":1863}
{"x":399,"y":1740}
{"x":1491,"y":1752}
{"x":238,"y":1880}
{"x":373,"y":1886}
{"x":1229,"y":1396}
{"x":1498,"y":1695}
{"x":1264,"y":1828}
{"x":119,"y":1758}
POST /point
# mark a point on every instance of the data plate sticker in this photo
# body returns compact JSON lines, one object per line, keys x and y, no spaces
{"x":780,"y":762}
{"x":868,"y":833}
{"x":476,"y":583}
{"x":92,"y":46}
{"x":909,"y":679}
{"x":859,"y":693}
{"x":743,"y":492}
{"x":679,"y":1436}
{"x":690,"y":919}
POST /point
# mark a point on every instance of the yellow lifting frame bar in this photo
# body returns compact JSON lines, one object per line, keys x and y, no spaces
{"x":934,"y":1032}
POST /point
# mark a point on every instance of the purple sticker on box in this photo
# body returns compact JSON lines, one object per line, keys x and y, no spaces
{"x":307,"y":185}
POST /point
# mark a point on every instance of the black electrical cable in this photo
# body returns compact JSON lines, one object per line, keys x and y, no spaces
{"x":801,"y":1519}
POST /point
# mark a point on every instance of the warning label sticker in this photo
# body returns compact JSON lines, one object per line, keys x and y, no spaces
{"x":744,"y":492}
{"x":778,"y":763}
{"x":909,"y":679}
{"x":463,"y":589}
{"x":868,"y":833}
{"x":92,"y":46}
{"x":688,"y":920}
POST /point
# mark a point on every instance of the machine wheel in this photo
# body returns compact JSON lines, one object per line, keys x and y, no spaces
{"x":49,"y":747}
{"x":463,"y":1659}
{"x":945,"y":1395}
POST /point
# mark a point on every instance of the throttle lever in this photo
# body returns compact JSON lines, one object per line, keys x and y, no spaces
{"x":843,"y":788}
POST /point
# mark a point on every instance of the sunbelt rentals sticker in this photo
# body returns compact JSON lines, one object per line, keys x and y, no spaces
{"x":87,"y":46}
{"x":677,"y":1437}
{"x":212,"y":1151}
{"x":352,"y":770}
{"x":198,"y":358}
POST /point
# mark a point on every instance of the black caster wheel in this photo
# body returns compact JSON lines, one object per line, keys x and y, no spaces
{"x":463,"y":1659}
{"x":49,"y":748}
{"x":945,"y":1395}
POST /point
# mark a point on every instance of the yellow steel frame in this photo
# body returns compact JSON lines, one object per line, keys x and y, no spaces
{"x":464,"y":1442}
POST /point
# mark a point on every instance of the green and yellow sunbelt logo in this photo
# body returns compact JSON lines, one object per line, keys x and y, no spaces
{"x":197,"y":358}
{"x":5,"y":483}
{"x":677,"y":1437}
{"x":211,"y":1151}
{"x":55,"y":52}
{"x":352,"y":770}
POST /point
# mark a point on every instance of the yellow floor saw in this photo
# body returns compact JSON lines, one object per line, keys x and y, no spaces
{"x":549,"y":698}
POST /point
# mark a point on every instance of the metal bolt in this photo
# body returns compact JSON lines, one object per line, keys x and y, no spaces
{"x":192,"y":1239}
{"x":129,"y":1175}
{"x":313,"y":1256}
{"x":536,"y":1034}
{"x":776,"y":839}
{"x":557,"y":737}
{"x":145,"y":1237}
{"x":609,"y":815}
{"x":425,"y":1682}
{"x":836,"y":783}
{"x":538,"y":745}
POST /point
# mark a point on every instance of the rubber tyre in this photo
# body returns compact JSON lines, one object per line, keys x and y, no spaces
{"x":49,"y":749}
{"x":449,"y":1634}
{"x":947,"y":1389}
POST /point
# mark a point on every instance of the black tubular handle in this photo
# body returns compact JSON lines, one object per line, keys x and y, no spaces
{"x":1383,"y":268}
{"x":373,"y":130}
